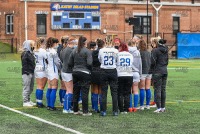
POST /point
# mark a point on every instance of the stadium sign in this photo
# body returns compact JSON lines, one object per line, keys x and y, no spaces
{"x":74,"y":7}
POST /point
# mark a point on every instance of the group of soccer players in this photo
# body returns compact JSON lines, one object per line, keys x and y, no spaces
{"x":82,"y":65}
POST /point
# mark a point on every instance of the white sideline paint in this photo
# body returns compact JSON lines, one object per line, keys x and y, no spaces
{"x":41,"y":120}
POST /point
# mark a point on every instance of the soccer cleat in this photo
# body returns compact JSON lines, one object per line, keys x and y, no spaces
{"x":27,"y":104}
{"x":115,"y":113}
{"x":153,"y":106}
{"x":32,"y":103}
{"x":68,"y":111}
{"x":152,"y":103}
{"x":102,"y":113}
{"x":158,"y":110}
{"x":162,"y":110}
{"x":95,"y":111}
{"x":125,"y":112}
{"x":78,"y":113}
{"x":141,"y":108}
{"x":87,"y":114}
{"x":130,"y":109}
{"x":53,"y":109}
{"x":147,"y":107}
{"x":65,"y":111}
{"x":134,"y":109}
{"x":40,"y":106}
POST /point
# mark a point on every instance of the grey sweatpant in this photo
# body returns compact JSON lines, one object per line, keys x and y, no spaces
{"x":160,"y":81}
{"x":28,"y":84}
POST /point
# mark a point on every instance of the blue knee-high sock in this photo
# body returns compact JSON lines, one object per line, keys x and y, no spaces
{"x":48,"y":93}
{"x":92,"y":100}
{"x":131,"y":102}
{"x":70,"y":99}
{"x":154,"y":96}
{"x":135,"y":100}
{"x":148,"y":96}
{"x":36,"y":94}
{"x":65,"y":102}
{"x":60,"y":95}
{"x":40,"y":97}
{"x":53,"y":98}
{"x":142,"y":96}
{"x":95,"y":101}
{"x":63,"y":94}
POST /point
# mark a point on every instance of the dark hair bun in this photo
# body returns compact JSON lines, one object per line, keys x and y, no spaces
{"x":55,"y":40}
{"x":162,"y":41}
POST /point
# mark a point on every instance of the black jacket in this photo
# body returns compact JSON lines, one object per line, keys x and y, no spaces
{"x":95,"y":62}
{"x":60,"y":47}
{"x":28,"y":63}
{"x":159,"y":60}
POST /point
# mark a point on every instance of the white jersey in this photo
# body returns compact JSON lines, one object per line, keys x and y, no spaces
{"x":107,"y":57}
{"x":53,"y":59}
{"x":40,"y":56}
{"x":124,"y":64}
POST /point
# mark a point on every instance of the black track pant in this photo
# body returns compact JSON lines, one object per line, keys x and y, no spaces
{"x":81,"y":81}
{"x":124,"y":91}
{"x":109,"y":77}
{"x":160,"y":81}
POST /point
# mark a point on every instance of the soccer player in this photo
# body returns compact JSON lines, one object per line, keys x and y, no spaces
{"x":145,"y":79}
{"x":62,"y":90}
{"x":52,"y":72}
{"x":96,"y":84}
{"x":40,"y":70}
{"x":81,"y":61}
{"x":125,"y":77}
{"x":159,"y":62}
{"x":107,"y":57}
{"x":28,"y":66}
{"x":66,"y":74}
{"x":137,"y":71}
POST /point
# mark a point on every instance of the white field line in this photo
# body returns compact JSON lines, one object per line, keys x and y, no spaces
{"x":41,"y":120}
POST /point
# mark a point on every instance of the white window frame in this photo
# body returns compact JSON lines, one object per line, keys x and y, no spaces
{"x":10,"y":24}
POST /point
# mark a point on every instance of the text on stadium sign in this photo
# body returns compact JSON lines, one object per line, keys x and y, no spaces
{"x":74,"y":7}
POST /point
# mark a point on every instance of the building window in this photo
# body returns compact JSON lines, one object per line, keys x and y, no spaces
{"x":41,"y":24}
{"x":9,"y":24}
{"x":141,"y":27}
{"x":176,"y":25}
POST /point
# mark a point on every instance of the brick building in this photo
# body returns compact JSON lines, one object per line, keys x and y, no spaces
{"x":29,"y":19}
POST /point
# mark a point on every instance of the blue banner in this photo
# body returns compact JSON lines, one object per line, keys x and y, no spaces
{"x":188,"y":45}
{"x":74,"y":7}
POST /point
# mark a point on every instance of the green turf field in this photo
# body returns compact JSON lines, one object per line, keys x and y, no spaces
{"x":182,"y":116}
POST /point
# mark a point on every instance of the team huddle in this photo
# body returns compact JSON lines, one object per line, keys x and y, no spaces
{"x":97,"y":65}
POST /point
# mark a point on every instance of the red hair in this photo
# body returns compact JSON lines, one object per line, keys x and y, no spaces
{"x":123,"y":47}
{"x":117,"y":40}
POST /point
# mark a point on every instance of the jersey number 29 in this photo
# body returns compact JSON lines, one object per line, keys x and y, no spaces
{"x":125,"y":62}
